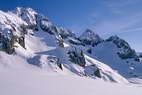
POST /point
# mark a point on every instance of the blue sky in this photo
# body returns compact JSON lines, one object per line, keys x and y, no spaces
{"x":106,"y":17}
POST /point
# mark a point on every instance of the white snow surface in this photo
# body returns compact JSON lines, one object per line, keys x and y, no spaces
{"x":38,"y":82}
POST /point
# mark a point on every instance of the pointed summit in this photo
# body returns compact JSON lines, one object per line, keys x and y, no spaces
{"x":27,"y":14}
{"x":89,"y":37}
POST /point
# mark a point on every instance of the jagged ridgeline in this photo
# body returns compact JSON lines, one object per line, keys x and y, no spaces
{"x":35,"y":39}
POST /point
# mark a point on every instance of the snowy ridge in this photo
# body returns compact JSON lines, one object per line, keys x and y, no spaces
{"x":41,"y":44}
{"x":8,"y":21}
{"x":26,"y":14}
{"x":126,"y":67}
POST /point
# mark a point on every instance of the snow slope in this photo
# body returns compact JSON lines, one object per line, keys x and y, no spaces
{"x":107,"y":52}
{"x":37,"y":82}
{"x":41,"y":48}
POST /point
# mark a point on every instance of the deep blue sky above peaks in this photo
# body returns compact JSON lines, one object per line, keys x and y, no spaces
{"x":106,"y":17}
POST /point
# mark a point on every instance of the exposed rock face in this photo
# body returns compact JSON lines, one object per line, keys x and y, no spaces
{"x":22,"y":41}
{"x":93,"y":70}
{"x":46,"y":62}
{"x":8,"y":38}
{"x":65,"y":33}
{"x":97,"y":73}
{"x":77,"y":57}
{"x":90,"y":38}
{"x":7,"y":41}
{"x":12,"y":28}
{"x":89,"y":50}
{"x":44,"y":24}
{"x":75,"y":41}
{"x":29,"y":16}
{"x":125,"y":49}
{"x":26,"y":14}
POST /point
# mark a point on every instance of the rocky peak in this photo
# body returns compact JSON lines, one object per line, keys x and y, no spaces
{"x":125,"y":51}
{"x":119,"y":42}
{"x":89,"y":37}
{"x":27,"y":14}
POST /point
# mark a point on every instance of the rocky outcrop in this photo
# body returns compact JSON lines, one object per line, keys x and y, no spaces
{"x":7,"y":41}
{"x":46,"y":62}
{"x":92,"y":70}
{"x":77,"y":57}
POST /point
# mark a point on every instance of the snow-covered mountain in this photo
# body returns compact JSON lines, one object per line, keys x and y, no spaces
{"x":118,"y":54}
{"x":30,"y":40}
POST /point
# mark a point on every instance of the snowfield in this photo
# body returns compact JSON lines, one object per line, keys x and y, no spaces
{"x":39,"y":82}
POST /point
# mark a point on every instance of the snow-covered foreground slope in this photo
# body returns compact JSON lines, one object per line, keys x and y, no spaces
{"x":40,"y":82}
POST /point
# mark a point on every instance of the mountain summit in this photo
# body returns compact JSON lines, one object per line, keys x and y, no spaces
{"x":89,"y":37}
